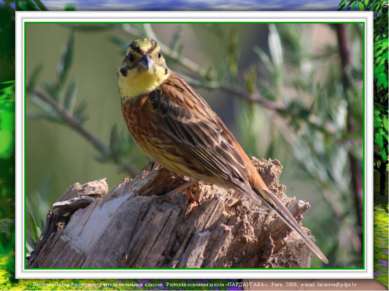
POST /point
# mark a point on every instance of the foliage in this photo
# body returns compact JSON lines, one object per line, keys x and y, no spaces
{"x":381,"y":136}
{"x":381,"y":48}
{"x":57,"y":102}
{"x":7,"y":156}
{"x":315,"y":131}
{"x":7,"y":43}
{"x":379,"y":7}
{"x":30,"y":5}
{"x":7,"y":91}
{"x":6,"y":161}
{"x":381,"y":242}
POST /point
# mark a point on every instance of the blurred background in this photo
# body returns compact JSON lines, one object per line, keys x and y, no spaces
{"x":291,"y":92}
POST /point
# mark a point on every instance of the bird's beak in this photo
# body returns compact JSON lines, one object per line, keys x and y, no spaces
{"x":123,"y":70}
{"x":146,"y":62}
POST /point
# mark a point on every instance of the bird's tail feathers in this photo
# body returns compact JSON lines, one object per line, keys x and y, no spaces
{"x":275,"y":204}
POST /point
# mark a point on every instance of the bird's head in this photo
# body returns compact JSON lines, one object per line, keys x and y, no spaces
{"x":143,"y":68}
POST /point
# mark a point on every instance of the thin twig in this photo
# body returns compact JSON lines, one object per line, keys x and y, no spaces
{"x":185,"y":62}
{"x":276,"y":107}
{"x":355,"y":181}
{"x":76,"y":125}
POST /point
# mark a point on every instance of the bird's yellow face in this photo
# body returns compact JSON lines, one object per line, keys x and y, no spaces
{"x":143,"y":68}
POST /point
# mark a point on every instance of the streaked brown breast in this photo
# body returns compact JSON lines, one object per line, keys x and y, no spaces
{"x":177,"y":127}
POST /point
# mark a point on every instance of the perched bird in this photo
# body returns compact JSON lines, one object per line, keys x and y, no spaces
{"x":177,"y":128}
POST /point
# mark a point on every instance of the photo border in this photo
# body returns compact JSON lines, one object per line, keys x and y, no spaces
{"x":365,"y":17}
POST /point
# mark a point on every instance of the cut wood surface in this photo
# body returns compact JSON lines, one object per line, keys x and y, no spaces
{"x":149,"y":222}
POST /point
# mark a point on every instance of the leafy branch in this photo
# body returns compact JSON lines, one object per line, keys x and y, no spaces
{"x":67,"y":112}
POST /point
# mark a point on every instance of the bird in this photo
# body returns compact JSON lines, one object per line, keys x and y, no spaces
{"x":176,"y":127}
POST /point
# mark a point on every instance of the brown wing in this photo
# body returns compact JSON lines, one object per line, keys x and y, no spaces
{"x":199,"y":142}
{"x":197,"y":134}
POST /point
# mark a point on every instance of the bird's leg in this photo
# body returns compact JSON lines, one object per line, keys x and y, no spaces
{"x":193,"y":194}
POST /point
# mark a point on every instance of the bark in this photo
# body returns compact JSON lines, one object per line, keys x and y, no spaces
{"x":150,"y":222}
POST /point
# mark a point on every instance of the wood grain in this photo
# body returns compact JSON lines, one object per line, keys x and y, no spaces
{"x":144,"y":222}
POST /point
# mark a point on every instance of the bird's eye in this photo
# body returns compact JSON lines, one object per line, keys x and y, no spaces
{"x":159,"y":55}
{"x":131,"y":57}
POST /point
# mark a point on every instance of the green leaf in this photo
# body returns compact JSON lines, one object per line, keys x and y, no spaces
{"x":296,"y":107}
{"x":70,"y":97}
{"x":80,"y":112}
{"x":6,"y":84}
{"x":40,"y":5}
{"x":6,"y":133}
{"x":52,"y":89}
{"x":114,"y":140}
{"x":381,"y":221}
{"x":384,"y":155}
{"x":377,"y":119}
{"x":65,"y":61}
{"x":264,"y":58}
{"x":385,"y":122}
{"x":275,"y":46}
{"x":232,"y":52}
{"x":250,"y":78}
{"x":175,"y":43}
{"x":379,"y":139}
{"x":27,"y":5}
{"x":5,"y":226}
{"x":70,"y":7}
{"x":34,"y":77}
{"x":48,"y":111}
{"x":7,"y":94}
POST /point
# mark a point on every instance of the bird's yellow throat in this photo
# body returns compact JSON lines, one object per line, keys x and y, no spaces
{"x":138,"y":82}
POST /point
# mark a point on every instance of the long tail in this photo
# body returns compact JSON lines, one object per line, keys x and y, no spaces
{"x":275,"y":204}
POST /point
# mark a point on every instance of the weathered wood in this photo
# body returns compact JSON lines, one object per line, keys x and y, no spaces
{"x":146,"y":222}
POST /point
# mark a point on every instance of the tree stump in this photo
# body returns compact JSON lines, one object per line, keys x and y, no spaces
{"x":149,"y":222}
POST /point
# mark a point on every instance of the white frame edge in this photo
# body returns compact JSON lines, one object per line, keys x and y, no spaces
{"x":184,"y":16}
